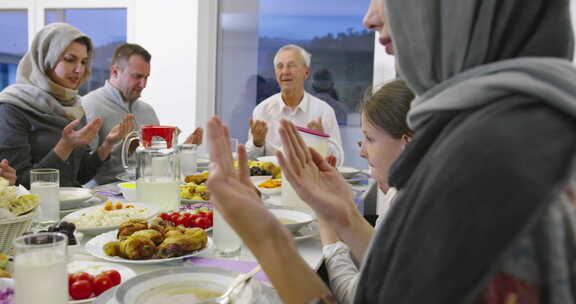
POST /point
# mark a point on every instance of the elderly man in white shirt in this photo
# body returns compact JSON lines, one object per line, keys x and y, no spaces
{"x":292,"y":68}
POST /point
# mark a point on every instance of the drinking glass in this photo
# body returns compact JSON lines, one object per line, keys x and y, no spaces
{"x":40,"y":273}
{"x":234,"y":148}
{"x":227,"y":242}
{"x":188,"y":158}
{"x":45,"y":183}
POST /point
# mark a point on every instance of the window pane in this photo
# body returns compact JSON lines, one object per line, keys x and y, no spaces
{"x":106,"y":27}
{"x":14,"y":33}
{"x":342,"y":58}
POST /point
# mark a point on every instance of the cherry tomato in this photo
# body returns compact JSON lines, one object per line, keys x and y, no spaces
{"x":80,"y":276}
{"x":210,"y":215}
{"x":174,"y":218}
{"x":101,"y":284}
{"x":165,"y":216}
{"x":187,"y":222}
{"x":114,"y":276}
{"x":202,"y":222}
{"x":80,"y":290}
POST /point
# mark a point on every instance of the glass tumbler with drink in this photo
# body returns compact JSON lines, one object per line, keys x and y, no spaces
{"x":226,"y":241}
{"x":46,"y":183}
{"x":40,"y":273}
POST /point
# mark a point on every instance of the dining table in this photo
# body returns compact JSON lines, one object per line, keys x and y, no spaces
{"x":307,"y":241}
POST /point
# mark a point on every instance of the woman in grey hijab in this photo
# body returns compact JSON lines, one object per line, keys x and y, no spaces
{"x":485,"y":208}
{"x":41,"y":119}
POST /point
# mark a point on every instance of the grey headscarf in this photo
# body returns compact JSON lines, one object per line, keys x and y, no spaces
{"x":445,"y":50}
{"x":34,"y":91}
{"x":494,"y":145}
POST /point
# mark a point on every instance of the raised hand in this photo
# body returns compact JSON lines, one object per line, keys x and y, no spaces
{"x":196,"y":137}
{"x":7,"y":172}
{"x":77,"y":138}
{"x":316,"y":125}
{"x":318,"y":183}
{"x":259,"y":130}
{"x":120,"y":130}
{"x":231,"y":190}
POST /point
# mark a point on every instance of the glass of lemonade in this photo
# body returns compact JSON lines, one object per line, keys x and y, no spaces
{"x":46,"y":183}
{"x":227,"y":242}
{"x":40,"y":273}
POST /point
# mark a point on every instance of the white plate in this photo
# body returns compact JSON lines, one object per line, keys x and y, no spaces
{"x":95,"y":247}
{"x":348,"y":172}
{"x":95,"y":268}
{"x":213,"y":278}
{"x":299,"y":216}
{"x":72,"y":197}
{"x":271,"y":158}
{"x":192,"y":202}
{"x":306,"y":232}
{"x":94,"y":200}
{"x":151,"y":212}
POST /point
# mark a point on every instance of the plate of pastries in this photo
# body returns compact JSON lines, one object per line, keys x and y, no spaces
{"x":141,"y":242}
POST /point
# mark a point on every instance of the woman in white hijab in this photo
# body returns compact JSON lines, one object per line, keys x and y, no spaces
{"x":41,"y":119}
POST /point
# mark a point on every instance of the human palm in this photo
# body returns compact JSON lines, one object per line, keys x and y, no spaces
{"x":318,"y":183}
{"x":231,"y":190}
{"x":78,"y":138}
{"x":120,"y":131}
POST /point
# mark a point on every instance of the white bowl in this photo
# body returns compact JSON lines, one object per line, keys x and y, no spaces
{"x":292,"y":218}
{"x":268,"y":191}
{"x":348,"y":172}
{"x":128,"y":192}
{"x":71,"y":197}
{"x":156,"y":282}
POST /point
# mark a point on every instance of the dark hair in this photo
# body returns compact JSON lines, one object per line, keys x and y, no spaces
{"x":126,"y":50}
{"x":387,"y":108}
{"x":84,"y":40}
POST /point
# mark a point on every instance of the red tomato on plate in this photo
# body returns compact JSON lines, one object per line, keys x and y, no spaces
{"x":80,"y":290}
{"x":101,"y":284}
{"x":79,"y":276}
{"x":114,"y":276}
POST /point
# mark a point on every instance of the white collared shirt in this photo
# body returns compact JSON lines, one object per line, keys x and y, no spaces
{"x":273,"y":109}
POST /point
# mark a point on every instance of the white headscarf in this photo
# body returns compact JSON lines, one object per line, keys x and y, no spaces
{"x":47,"y":47}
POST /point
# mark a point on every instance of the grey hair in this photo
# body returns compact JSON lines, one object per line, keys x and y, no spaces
{"x":306,"y":57}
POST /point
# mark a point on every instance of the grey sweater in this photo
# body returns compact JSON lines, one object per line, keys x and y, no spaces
{"x":27,"y":140}
{"x":106,"y":103}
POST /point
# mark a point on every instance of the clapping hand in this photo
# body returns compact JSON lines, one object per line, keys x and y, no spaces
{"x":318,"y":183}
{"x":231,"y":190}
{"x":120,"y":130}
{"x":7,"y":172}
{"x":196,"y":137}
{"x":77,"y":138}
{"x":259,"y":130}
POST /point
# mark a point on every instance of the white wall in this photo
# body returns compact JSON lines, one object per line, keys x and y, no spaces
{"x":169,"y":31}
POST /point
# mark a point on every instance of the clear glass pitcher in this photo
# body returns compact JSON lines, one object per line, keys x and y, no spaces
{"x":157,"y":166}
{"x":320,"y":142}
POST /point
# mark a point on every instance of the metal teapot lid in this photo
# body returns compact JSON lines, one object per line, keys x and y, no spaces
{"x":149,"y":132}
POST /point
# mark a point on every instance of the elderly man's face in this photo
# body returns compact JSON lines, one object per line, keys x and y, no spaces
{"x":291,"y":72}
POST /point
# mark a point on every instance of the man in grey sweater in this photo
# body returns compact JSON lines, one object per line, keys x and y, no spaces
{"x":119,"y":96}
